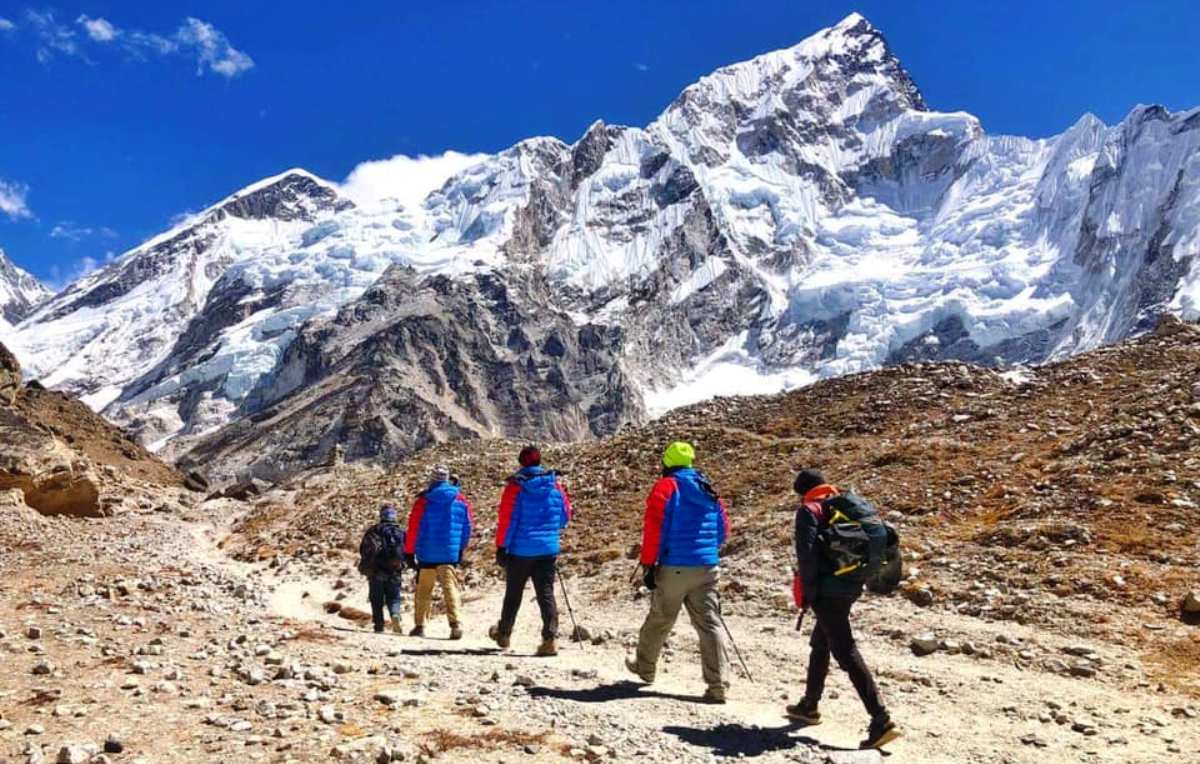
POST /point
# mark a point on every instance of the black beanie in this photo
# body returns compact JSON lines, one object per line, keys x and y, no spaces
{"x":808,"y":480}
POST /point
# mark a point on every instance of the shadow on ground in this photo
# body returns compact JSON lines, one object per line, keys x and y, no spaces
{"x":609,"y":692}
{"x":739,"y":740}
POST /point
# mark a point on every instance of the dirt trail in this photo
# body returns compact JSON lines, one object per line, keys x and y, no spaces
{"x":952,"y":707}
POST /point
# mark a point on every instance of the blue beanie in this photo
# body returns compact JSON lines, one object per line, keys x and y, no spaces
{"x":387,"y":514}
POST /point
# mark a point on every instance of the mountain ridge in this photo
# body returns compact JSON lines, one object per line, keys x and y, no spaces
{"x":799,"y":215}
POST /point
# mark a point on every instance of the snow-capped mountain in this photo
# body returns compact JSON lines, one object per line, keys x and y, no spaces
{"x":20,"y":293}
{"x":801,"y":214}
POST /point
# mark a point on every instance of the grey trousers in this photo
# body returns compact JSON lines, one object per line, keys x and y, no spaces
{"x":694,"y":588}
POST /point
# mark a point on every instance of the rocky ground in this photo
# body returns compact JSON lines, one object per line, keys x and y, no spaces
{"x":1051,"y":537}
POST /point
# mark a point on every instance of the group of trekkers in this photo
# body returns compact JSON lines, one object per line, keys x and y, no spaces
{"x":840,"y":545}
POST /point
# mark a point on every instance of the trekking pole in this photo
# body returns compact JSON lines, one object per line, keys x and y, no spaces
{"x":800,"y":621}
{"x":732,"y":642}
{"x":570,"y":611}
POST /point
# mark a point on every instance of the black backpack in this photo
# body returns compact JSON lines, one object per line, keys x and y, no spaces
{"x":851,"y":534}
{"x":381,"y":550}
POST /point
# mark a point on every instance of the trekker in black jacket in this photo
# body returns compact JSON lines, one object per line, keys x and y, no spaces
{"x":830,"y":589}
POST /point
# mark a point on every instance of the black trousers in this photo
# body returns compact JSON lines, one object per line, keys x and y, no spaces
{"x":832,"y":635}
{"x":517,"y":572}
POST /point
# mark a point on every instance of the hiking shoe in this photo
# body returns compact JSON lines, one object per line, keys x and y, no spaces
{"x":500,"y":639}
{"x":632,"y":666}
{"x":378,"y":629}
{"x":456,"y":632}
{"x":396,"y":627}
{"x":714,"y":696}
{"x":804,"y":712}
{"x":417,"y":631}
{"x":547,"y":649}
{"x":881,"y":732}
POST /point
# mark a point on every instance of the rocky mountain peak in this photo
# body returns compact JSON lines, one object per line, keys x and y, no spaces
{"x":293,"y":195}
{"x":20,"y":292}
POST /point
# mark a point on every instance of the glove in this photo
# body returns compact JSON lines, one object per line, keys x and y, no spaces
{"x":648,"y":577}
{"x":501,"y":556}
{"x":410,"y":560}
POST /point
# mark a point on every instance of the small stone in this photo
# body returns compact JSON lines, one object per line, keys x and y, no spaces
{"x":33,"y":632}
{"x":1191,"y":603}
{"x":328,"y":714}
{"x":34,"y":729}
{"x":924,"y":644}
{"x":113,"y":744}
{"x":42,"y":668}
{"x":76,"y":753}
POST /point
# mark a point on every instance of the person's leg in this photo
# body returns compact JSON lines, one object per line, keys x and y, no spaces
{"x":449,"y":581}
{"x":394,"y":598}
{"x":543,"y":586}
{"x":818,"y":658}
{"x":703,"y":605}
{"x":375,"y":595}
{"x":426,"y":577}
{"x":516,"y":574}
{"x":845,"y":651}
{"x":665,"y":602}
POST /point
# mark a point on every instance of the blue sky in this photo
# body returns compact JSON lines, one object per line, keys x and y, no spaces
{"x":117,"y":117}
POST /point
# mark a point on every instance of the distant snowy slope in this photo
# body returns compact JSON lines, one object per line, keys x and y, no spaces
{"x":19,"y":293}
{"x":799,"y":215}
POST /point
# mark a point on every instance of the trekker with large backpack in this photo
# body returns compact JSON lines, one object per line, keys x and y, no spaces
{"x":439,"y":529}
{"x":685,"y":526}
{"x":381,"y":560}
{"x":534,"y":509}
{"x":841,"y":544}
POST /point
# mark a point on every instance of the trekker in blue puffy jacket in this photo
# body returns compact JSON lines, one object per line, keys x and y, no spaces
{"x":685,"y":526}
{"x":534,"y":509}
{"x":439,"y":529}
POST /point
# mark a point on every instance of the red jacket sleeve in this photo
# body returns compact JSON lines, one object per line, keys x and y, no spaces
{"x":656,"y":506}
{"x":414,"y":525}
{"x":508,"y":500}
{"x":566,"y":501}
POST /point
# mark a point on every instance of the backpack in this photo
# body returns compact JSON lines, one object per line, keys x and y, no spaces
{"x":850,"y":530}
{"x":381,"y":550}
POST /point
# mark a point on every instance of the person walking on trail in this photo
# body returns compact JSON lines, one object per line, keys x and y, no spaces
{"x":534,"y":509}
{"x":381,"y":560}
{"x":834,"y":532}
{"x":439,"y":529}
{"x":685,"y":526}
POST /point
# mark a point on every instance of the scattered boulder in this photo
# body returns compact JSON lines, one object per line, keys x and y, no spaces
{"x":924,"y":644}
{"x":1191,"y":603}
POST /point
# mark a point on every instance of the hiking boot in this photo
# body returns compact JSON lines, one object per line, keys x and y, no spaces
{"x":632,"y":666}
{"x":379,"y":629}
{"x":547,"y":649}
{"x":803,"y":712}
{"x":500,"y":639}
{"x":714,"y":696}
{"x":456,"y":632}
{"x":881,"y":732}
{"x":396,"y":627}
{"x":417,"y":631}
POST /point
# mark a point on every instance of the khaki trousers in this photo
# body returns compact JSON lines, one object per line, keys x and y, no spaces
{"x":426,"y":578}
{"x":694,"y":588}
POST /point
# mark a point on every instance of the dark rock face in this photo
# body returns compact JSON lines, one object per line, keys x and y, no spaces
{"x":417,"y":361}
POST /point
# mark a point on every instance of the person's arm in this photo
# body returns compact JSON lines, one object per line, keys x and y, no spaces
{"x":723,"y":528}
{"x":568,"y":510}
{"x":508,"y":500}
{"x":806,"y":559}
{"x":414,"y":525}
{"x":468,"y":526}
{"x":652,"y":523}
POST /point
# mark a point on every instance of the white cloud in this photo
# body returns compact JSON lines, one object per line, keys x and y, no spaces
{"x":68,"y":230}
{"x":404,"y":179}
{"x":195,"y":39}
{"x":52,"y":37}
{"x":212,"y":49}
{"x":99,"y":29}
{"x":6,"y":25}
{"x":61,"y":278}
{"x":12,"y":200}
